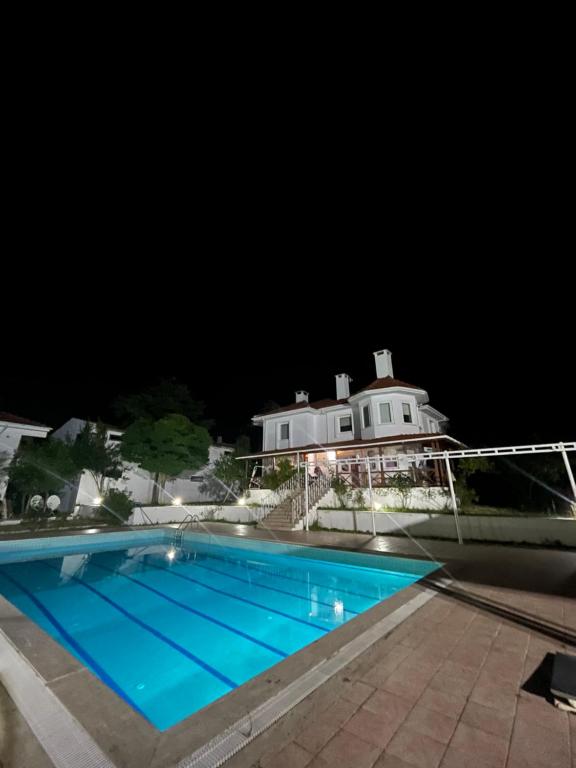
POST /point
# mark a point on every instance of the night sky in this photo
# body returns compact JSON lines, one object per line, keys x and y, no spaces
{"x":490,"y":337}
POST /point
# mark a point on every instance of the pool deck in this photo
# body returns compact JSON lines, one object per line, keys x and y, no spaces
{"x":459,"y":684}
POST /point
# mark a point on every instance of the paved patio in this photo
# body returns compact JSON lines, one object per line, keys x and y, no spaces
{"x":460,"y":684}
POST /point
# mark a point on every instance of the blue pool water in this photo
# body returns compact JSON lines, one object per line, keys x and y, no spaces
{"x":170,"y":629}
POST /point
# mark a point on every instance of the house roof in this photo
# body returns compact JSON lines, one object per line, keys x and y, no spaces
{"x":384,"y":383}
{"x":317,"y":404}
{"x":388,"y":381}
{"x":423,"y":437}
{"x":11,"y":418}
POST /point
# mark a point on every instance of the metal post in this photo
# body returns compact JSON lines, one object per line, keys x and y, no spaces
{"x":453,"y":495}
{"x":569,"y":470}
{"x":306,"y":491}
{"x":371,"y":496}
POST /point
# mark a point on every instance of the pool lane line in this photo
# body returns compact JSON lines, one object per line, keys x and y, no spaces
{"x":159,"y":635}
{"x":236,"y":597}
{"x":82,"y":653}
{"x":207,"y":548}
{"x":240,"y":562}
{"x":194,"y":611}
{"x":272,"y":589}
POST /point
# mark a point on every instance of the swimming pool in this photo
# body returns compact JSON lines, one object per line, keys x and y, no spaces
{"x":171,"y":628}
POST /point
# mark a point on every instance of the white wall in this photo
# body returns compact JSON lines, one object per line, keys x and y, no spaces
{"x":418,"y":498}
{"x":137,"y":482}
{"x":210,"y":512}
{"x":10,"y":436}
{"x":531,"y":530}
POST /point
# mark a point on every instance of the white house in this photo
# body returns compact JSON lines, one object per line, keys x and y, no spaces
{"x":134,"y":481}
{"x":385,"y":419}
{"x":12,"y":430}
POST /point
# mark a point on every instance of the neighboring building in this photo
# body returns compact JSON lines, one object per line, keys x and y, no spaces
{"x":383,"y":420}
{"x":135,"y":481}
{"x":12,"y":430}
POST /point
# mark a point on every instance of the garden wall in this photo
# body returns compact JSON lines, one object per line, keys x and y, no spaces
{"x":531,"y":530}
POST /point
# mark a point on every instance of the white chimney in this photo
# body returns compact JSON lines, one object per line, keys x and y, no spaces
{"x":383,"y":360}
{"x":301,"y":396}
{"x":342,"y":386}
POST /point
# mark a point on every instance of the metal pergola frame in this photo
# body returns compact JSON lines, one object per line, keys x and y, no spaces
{"x":446,"y":456}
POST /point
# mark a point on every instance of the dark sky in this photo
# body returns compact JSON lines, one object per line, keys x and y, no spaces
{"x":250,"y":262}
{"x":490,"y":338}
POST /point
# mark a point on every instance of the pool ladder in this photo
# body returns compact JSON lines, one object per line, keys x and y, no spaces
{"x":190,"y":519}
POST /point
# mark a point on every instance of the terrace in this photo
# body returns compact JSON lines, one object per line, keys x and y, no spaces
{"x":461,"y":681}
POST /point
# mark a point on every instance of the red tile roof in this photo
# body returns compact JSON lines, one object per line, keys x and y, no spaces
{"x":317,"y":404}
{"x":383,"y":383}
{"x":344,"y":445}
{"x":386,"y":382}
{"x":19,"y":420}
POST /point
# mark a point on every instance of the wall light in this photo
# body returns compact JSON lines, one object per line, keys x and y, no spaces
{"x":177,"y":501}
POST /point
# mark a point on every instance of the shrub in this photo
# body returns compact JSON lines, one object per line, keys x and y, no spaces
{"x":276,"y":477}
{"x":116,"y":505}
{"x":342,"y":491}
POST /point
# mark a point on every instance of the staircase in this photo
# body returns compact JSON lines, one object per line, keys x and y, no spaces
{"x":289,"y":513}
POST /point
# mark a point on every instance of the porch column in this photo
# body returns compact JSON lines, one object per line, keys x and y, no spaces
{"x":306,"y":493}
{"x":569,"y":470}
{"x":453,"y":495}
{"x":371,"y":496}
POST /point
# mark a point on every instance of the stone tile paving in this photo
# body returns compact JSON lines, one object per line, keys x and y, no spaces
{"x":444,"y":691}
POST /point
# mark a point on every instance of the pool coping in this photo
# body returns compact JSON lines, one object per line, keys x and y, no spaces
{"x":205,"y":737}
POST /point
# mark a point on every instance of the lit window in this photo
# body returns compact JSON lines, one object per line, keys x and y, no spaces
{"x":284,"y":431}
{"x":407,"y":413}
{"x":366,"y":416}
{"x":385,"y":413}
{"x":345,"y":423}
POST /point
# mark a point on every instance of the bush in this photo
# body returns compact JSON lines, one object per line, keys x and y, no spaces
{"x":117,"y":506}
{"x":342,"y":491}
{"x":276,"y":477}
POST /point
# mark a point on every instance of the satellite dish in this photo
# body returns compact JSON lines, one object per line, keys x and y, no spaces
{"x":53,"y":503}
{"x":37,"y":502}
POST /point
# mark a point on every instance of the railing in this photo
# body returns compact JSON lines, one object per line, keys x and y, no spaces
{"x":290,"y":488}
{"x":381,"y":478}
{"x":146,"y":516}
{"x":317,"y":488}
{"x":190,"y":519}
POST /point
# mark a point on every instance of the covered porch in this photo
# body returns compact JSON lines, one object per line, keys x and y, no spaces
{"x":365,"y":463}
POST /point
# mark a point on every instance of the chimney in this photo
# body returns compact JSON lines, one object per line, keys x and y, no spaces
{"x":342,"y":386}
{"x":301,"y":396}
{"x":383,"y":360}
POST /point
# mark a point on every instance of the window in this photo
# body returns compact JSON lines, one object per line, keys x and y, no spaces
{"x":345,"y":423}
{"x":391,"y":463}
{"x":407,"y":413}
{"x":366,"y":416}
{"x":385,"y":413}
{"x":285,"y":431}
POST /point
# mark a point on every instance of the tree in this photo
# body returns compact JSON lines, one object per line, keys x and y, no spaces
{"x":92,"y":452}
{"x":273,"y":479}
{"x":228,"y":474}
{"x":165,"y":447}
{"x":465,"y":469}
{"x":167,"y":397}
{"x":4,"y":463}
{"x":42,"y":468}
